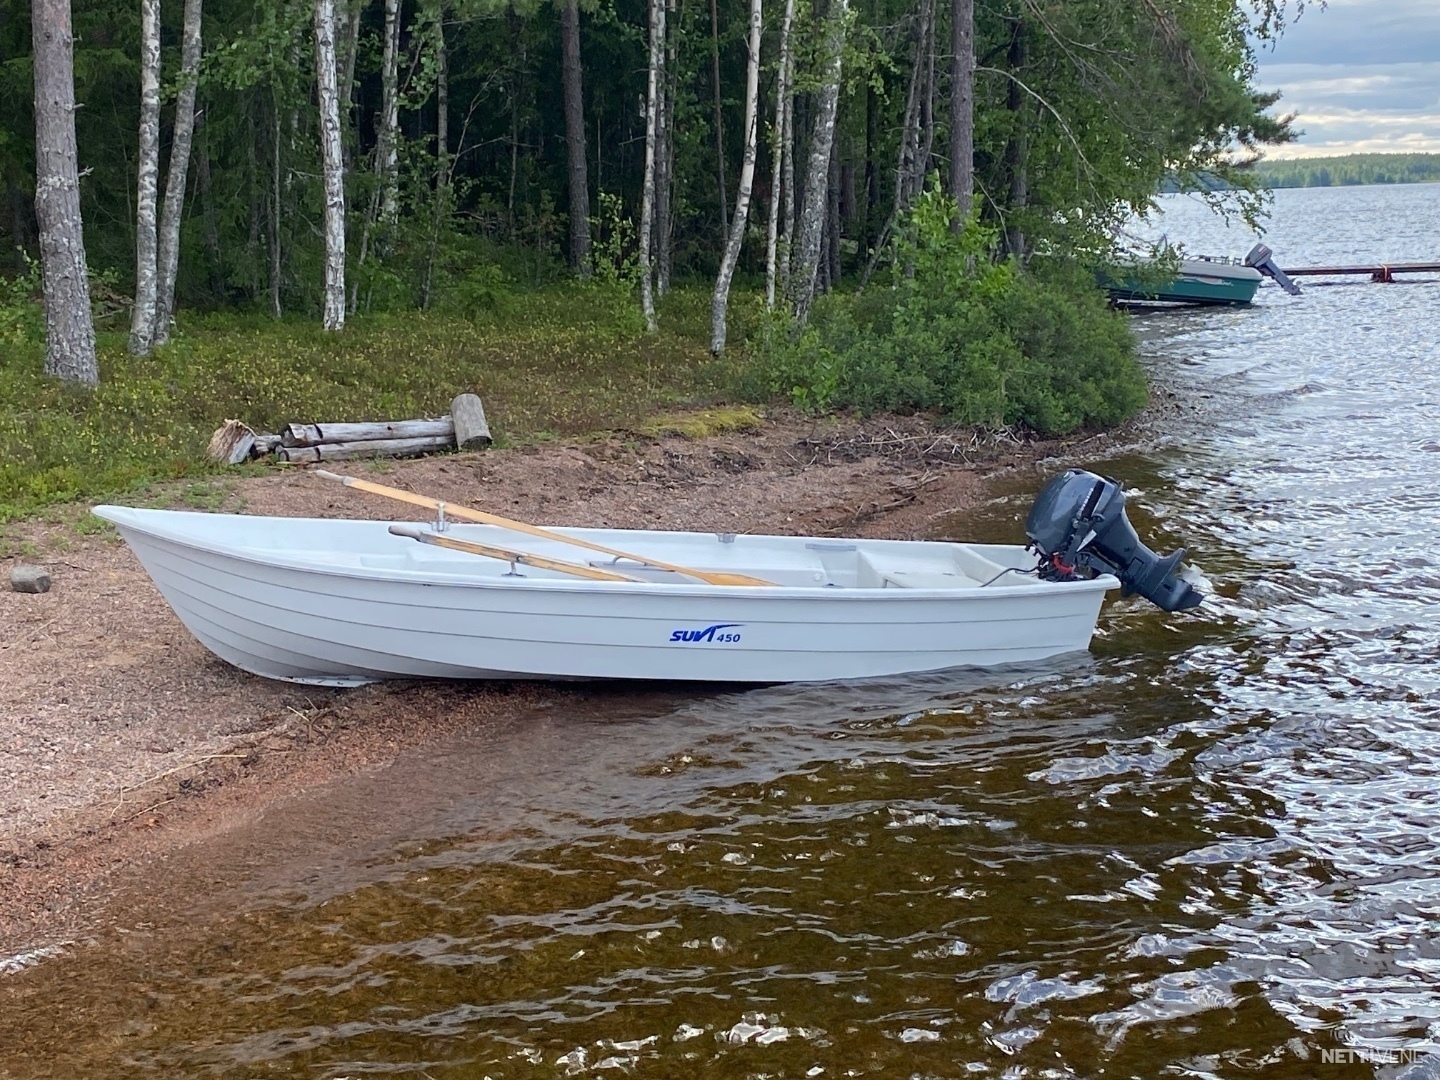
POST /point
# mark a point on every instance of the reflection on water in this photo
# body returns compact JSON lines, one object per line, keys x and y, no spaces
{"x":1209,"y":848}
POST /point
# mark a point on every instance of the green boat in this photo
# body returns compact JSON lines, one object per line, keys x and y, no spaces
{"x":1199,"y":281}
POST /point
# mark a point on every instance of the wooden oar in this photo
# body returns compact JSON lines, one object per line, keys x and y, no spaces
{"x":712,"y":577}
{"x":506,"y":555}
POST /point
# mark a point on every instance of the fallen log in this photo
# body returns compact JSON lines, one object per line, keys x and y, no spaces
{"x":471,"y":430}
{"x":347,"y":451}
{"x":265,"y":444}
{"x":319,"y":434}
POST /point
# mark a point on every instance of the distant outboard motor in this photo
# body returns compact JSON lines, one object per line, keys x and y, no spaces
{"x":1078,"y":524}
{"x":1263,"y":259}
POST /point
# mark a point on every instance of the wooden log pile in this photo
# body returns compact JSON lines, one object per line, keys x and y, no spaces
{"x":464,"y":428}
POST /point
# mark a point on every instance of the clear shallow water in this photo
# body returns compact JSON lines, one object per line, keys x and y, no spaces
{"x":1209,"y":848}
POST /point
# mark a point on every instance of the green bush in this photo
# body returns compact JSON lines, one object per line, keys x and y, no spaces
{"x":957,"y":333}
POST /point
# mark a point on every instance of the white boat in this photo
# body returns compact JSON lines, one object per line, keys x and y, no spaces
{"x":340,"y":603}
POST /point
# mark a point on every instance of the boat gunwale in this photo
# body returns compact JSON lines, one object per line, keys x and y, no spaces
{"x":276,"y":559}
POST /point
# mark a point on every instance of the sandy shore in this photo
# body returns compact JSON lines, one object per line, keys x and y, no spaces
{"x":122,"y":739}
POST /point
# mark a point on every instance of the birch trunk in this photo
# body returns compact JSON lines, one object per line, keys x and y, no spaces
{"x":332,"y":164}
{"x":386,"y":150}
{"x":720,"y":302}
{"x":817,"y":170}
{"x":780,"y":152}
{"x":579,"y":180}
{"x":147,"y":169}
{"x":168,"y":262}
{"x":962,"y":109}
{"x":647,"y":196}
{"x":69,"y":332}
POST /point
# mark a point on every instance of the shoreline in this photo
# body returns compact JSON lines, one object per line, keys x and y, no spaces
{"x":125,"y":740}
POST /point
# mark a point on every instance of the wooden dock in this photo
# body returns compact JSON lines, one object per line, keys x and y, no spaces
{"x":1383,"y":272}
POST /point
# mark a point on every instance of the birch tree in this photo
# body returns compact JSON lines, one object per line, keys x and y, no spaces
{"x":168,"y":258}
{"x":147,"y":170}
{"x":962,"y":109}
{"x":69,"y":331}
{"x":578,"y":175}
{"x":720,"y":301}
{"x":647,"y":194}
{"x":780,"y":152}
{"x":817,"y":170}
{"x":332,"y":164}
{"x":387,"y":151}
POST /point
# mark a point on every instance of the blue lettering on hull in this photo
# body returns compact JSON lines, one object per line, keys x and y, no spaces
{"x":720,"y":634}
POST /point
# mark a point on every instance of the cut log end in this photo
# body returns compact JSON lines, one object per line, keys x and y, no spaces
{"x":231,"y":444}
{"x":471,"y":430}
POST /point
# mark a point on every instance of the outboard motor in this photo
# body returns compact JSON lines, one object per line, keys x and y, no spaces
{"x":1078,"y":524}
{"x":1263,"y":259}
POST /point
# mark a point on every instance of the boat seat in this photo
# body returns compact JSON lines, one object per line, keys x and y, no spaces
{"x":924,"y":579}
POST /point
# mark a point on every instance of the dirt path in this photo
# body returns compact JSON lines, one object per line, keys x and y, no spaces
{"x":121,"y":738}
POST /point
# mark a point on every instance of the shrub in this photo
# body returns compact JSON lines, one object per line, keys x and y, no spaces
{"x":956,"y":332}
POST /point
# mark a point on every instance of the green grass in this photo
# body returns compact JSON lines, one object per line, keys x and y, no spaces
{"x":558,"y":362}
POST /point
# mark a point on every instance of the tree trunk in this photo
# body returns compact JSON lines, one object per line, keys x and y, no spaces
{"x":69,"y":332}
{"x":719,"y":119}
{"x":832,"y":220}
{"x":962,"y":109}
{"x":175,"y":178}
{"x":147,"y":169}
{"x":720,"y":302}
{"x":387,"y":158}
{"x":579,"y":181}
{"x":647,"y":196}
{"x":332,"y":164}
{"x":348,"y":48}
{"x":442,"y":156}
{"x":275,"y":261}
{"x":1017,"y":148}
{"x":17,"y":221}
{"x":780,"y":152}
{"x":207,"y":210}
{"x":817,"y":170}
{"x":665,"y":157}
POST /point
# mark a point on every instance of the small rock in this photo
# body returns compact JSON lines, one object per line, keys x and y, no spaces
{"x":30,"y":579}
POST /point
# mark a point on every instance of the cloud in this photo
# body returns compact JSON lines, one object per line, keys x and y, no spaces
{"x":1362,"y":75}
{"x":1361,"y":32}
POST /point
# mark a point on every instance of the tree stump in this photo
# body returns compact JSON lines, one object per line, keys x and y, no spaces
{"x":471,"y":430}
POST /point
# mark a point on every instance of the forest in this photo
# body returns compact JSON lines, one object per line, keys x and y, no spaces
{"x":274,"y":206}
{"x":1348,"y":169}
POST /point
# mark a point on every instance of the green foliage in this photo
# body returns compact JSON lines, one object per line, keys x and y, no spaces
{"x":955,"y":332}
{"x":22,"y":319}
{"x":1350,"y":169}
{"x":564,"y":361}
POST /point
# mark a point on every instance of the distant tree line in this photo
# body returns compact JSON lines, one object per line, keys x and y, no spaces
{"x":334,"y":156}
{"x":1350,"y":169}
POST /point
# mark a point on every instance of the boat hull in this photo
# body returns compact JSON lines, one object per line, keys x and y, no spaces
{"x":1199,"y":282}
{"x":272,"y":614}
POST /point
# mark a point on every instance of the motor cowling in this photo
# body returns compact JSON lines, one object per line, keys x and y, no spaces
{"x":1078,"y":526}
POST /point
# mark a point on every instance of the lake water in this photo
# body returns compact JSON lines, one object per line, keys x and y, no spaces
{"x":1209,"y":848}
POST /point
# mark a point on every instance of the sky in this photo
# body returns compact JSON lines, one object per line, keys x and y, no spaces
{"x":1364,"y":76}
